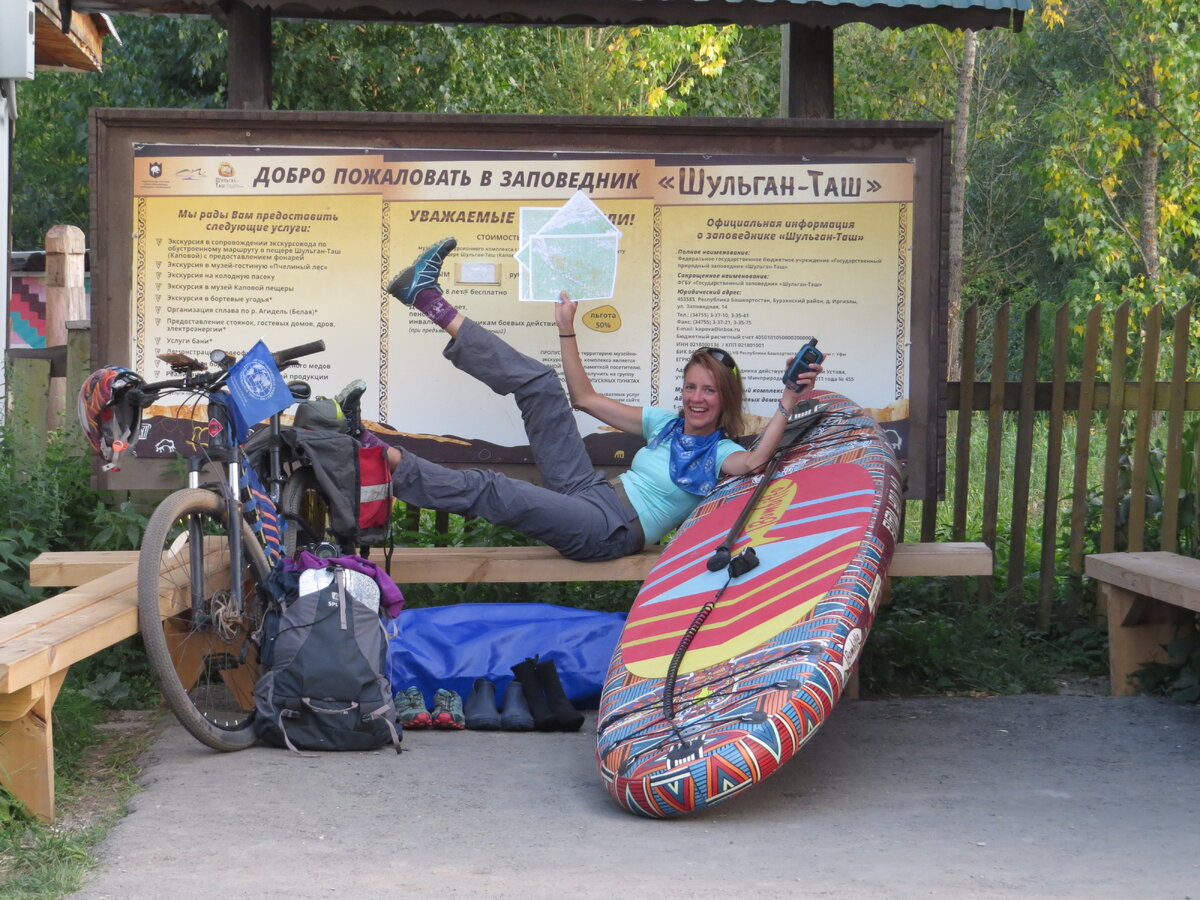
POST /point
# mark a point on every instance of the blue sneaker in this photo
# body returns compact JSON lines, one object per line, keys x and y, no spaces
{"x":423,"y":273}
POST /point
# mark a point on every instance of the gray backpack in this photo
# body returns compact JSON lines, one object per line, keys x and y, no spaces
{"x":323,"y":653}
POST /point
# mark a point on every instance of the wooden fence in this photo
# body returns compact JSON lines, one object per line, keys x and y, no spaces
{"x":1122,"y":427}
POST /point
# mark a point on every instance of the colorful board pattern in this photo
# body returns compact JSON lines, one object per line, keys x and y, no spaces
{"x":764,"y":669}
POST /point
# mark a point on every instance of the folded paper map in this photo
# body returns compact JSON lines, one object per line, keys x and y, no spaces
{"x":571,"y":248}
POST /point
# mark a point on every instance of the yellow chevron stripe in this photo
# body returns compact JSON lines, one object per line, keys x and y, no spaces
{"x":817,"y":560}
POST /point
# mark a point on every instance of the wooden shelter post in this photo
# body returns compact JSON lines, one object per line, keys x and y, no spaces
{"x":249,"y":55}
{"x":806,"y":72}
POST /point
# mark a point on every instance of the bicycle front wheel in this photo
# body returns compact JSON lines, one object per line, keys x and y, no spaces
{"x":198,"y":633}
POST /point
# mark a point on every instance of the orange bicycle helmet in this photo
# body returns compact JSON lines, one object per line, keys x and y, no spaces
{"x":107,"y":414}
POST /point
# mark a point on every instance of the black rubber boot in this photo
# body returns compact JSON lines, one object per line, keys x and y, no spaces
{"x":568,"y":717}
{"x":515,"y":716}
{"x":543,"y":718}
{"x":480,"y":708}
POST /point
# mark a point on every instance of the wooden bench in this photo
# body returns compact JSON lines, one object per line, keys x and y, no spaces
{"x":1147,"y":596}
{"x":494,"y":565}
{"x":39,"y":644}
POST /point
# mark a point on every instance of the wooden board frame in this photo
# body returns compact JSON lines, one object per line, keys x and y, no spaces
{"x":114,"y":132}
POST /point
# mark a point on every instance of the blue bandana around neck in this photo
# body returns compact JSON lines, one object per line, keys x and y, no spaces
{"x":693,"y":457}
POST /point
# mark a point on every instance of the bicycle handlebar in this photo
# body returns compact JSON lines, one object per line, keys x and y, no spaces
{"x":291,"y":353}
{"x":148,"y":393}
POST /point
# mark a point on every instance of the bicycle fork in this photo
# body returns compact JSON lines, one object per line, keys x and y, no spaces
{"x":202,"y":616}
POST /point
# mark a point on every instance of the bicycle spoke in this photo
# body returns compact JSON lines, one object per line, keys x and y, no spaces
{"x":201,"y":647}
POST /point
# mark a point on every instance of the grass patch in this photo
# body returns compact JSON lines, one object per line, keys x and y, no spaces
{"x":95,"y":766}
{"x":1178,"y":677}
{"x":928,"y":643}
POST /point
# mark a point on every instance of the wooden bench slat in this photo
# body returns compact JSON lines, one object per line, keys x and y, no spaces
{"x":470,"y":565}
{"x":941,"y":558}
{"x":1164,"y":576}
{"x":67,"y":569}
{"x":76,"y":624}
{"x":439,"y":565}
{"x":88,"y":592}
{"x":29,"y":658}
{"x":453,"y":565}
{"x":1145,"y":595}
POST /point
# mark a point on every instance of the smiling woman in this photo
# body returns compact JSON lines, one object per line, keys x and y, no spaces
{"x":705,"y":383}
{"x":576,"y":510}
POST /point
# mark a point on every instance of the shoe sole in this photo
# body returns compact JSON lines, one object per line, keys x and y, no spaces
{"x":394,"y":288}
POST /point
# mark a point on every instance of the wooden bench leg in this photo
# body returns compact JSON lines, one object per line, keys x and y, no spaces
{"x":883,"y":597}
{"x":850,"y":691}
{"x":190,"y":653}
{"x":1138,"y":629}
{"x":27,"y":744}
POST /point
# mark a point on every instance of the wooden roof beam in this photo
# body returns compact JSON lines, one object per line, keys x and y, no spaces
{"x":613,"y":12}
{"x":79,"y":47}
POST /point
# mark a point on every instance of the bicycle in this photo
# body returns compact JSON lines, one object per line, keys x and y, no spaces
{"x":201,"y":594}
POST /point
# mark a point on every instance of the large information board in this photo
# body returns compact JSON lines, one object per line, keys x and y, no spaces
{"x":753,"y":252}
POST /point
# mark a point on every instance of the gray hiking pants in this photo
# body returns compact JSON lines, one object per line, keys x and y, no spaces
{"x":577,"y":512}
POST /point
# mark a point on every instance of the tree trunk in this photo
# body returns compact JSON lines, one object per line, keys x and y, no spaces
{"x":958,"y":188}
{"x":1149,"y":247}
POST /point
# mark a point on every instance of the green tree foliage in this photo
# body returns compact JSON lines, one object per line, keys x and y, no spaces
{"x":49,"y":504}
{"x":1066,"y":116}
{"x":180,"y":62}
{"x":913,"y":75}
{"x":375,"y":68}
{"x":186,"y":59}
{"x":1121,"y":168}
{"x":1082,"y":155}
{"x":430,"y":68}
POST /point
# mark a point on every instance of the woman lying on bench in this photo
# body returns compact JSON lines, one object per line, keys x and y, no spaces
{"x":578,"y":512}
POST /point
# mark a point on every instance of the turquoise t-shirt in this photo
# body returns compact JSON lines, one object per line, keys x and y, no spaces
{"x":660,"y":504}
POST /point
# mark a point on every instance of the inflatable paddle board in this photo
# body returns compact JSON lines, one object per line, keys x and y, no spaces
{"x":719,"y":677}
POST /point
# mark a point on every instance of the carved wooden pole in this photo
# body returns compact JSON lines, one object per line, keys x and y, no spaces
{"x":66,"y":301}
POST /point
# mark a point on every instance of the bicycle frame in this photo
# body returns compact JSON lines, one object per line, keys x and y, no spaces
{"x":220,"y":448}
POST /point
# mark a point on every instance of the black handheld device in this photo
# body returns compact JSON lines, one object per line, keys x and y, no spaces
{"x":807,"y":357}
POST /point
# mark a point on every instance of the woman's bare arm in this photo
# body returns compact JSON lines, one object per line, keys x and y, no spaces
{"x":746,"y":461}
{"x":583,"y":396}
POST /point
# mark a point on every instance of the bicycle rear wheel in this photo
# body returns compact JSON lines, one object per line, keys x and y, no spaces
{"x":201,"y":653}
{"x":303,"y":507}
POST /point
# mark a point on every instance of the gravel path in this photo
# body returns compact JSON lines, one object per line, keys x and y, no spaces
{"x":1028,"y":796}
